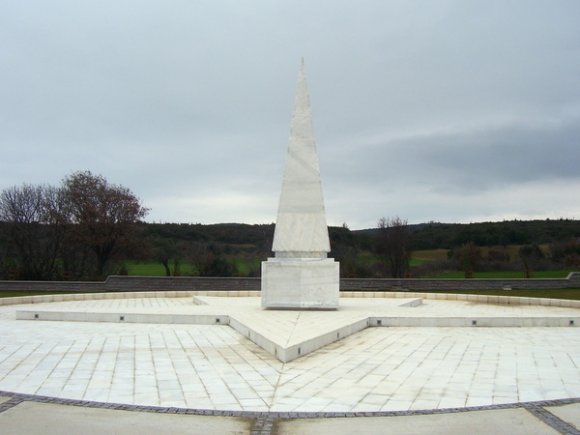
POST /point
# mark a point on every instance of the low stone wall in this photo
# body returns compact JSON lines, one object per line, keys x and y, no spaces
{"x":425,"y":284}
{"x":163,"y":283}
{"x":60,"y":286}
{"x":136,"y":283}
{"x":140,"y":284}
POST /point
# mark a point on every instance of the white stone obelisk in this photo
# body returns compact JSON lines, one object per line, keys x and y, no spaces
{"x":300,"y":276}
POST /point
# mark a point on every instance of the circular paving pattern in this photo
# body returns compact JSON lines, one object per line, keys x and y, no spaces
{"x":214,"y":369}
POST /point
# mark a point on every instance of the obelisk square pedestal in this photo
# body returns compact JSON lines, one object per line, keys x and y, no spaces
{"x":300,"y":283}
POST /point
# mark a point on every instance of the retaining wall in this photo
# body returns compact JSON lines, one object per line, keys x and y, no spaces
{"x":138,"y":283}
{"x":356,"y":284}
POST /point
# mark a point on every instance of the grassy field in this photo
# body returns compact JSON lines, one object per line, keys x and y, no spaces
{"x":152,"y":268}
{"x":420,"y":257}
{"x":243,"y":267}
{"x":145,"y":268}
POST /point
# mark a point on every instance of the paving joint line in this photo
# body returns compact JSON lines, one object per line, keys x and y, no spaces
{"x":550,"y":419}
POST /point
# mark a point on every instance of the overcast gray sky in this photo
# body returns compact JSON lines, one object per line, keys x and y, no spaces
{"x":451,"y":111}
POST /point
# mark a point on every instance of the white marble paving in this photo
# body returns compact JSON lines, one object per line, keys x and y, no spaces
{"x":292,"y":334}
{"x":214,"y":367}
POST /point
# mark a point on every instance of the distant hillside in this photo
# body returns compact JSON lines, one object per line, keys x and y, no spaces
{"x":233,"y":249}
{"x":436,"y":235}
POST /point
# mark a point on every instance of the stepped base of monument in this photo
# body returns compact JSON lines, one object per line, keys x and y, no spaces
{"x":300,"y":283}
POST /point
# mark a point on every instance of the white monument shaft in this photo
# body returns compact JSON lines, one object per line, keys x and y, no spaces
{"x":300,"y":275}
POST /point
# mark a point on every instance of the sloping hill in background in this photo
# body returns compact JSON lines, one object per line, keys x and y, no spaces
{"x":437,"y":235}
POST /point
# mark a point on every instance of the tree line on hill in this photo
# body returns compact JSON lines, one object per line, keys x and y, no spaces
{"x":525,"y":246}
{"x":513,"y":232}
{"x":88,"y":228}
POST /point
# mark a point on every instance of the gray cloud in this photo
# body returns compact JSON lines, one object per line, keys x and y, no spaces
{"x":478,"y":159}
{"x":417,"y":107}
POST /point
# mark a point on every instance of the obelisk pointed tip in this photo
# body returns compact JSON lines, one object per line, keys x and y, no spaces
{"x":301,"y":228}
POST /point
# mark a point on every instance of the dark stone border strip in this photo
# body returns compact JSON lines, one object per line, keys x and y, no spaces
{"x":551,"y":420}
{"x":16,"y":398}
{"x":10,"y":403}
{"x":265,"y":421}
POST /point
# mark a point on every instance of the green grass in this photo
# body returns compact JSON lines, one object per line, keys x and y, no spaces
{"x":149,"y":268}
{"x":244,"y":266}
{"x":421,"y":257}
{"x":152,"y":268}
{"x":418,"y":261}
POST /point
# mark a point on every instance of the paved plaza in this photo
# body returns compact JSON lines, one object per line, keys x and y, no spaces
{"x":400,"y":375}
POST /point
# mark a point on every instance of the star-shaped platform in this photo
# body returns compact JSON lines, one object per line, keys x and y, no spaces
{"x":290,"y":334}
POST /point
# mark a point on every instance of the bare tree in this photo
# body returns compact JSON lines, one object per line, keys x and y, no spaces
{"x":469,"y":257}
{"x":531,"y":256}
{"x":35,"y":220}
{"x":394,"y":244}
{"x":53,"y":233}
{"x":103,"y":216}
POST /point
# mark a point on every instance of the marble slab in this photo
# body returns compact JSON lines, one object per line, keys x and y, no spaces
{"x":300,"y":284}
